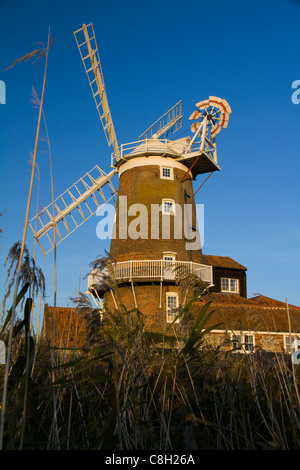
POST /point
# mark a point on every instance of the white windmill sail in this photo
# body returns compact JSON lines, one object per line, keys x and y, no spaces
{"x":87,"y":46}
{"x":166,"y":125}
{"x":72,"y":208}
{"x":78,"y":203}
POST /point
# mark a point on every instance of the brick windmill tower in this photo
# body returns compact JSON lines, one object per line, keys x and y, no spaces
{"x":156,"y":238}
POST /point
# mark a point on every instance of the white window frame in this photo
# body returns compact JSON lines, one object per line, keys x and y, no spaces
{"x":169,"y":265}
{"x":169,"y":312}
{"x":164,"y":177}
{"x":170,"y":257}
{"x":230,"y":290}
{"x":242,"y":338}
{"x":172,"y":211}
{"x":291,"y":343}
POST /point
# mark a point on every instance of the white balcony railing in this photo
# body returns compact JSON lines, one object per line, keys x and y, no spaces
{"x":177,"y":148}
{"x":156,"y":270}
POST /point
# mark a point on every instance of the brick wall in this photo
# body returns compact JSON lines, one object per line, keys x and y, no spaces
{"x":69,"y":327}
{"x":143,"y":185}
{"x":267,"y":342}
{"x":148,"y":302}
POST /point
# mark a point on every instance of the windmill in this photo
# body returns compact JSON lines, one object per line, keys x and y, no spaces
{"x":153,"y":172}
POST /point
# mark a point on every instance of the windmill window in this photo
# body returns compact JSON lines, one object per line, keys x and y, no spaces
{"x":172,"y":306}
{"x":166,"y":173}
{"x":169,"y":260}
{"x":230,"y":285}
{"x":168,"y":206}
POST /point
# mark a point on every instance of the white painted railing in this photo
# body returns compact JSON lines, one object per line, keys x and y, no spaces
{"x":160,"y":146}
{"x":157,"y":270}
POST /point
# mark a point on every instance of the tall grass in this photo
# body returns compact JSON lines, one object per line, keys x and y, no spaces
{"x":37,"y":53}
{"x":128,"y":389}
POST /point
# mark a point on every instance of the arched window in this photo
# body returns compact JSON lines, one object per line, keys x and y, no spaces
{"x":168,"y":207}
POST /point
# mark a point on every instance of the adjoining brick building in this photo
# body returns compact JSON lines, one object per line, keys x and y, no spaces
{"x":257,"y":323}
{"x":248,"y":324}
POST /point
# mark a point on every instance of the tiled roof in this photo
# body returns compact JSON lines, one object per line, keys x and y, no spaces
{"x":257,"y":314}
{"x":222,"y":262}
{"x":268,"y":302}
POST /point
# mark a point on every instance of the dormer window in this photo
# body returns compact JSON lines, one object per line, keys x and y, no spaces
{"x":230,"y":285}
{"x":168,"y":207}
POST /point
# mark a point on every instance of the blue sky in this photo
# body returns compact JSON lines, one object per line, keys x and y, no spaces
{"x":154,"y":54}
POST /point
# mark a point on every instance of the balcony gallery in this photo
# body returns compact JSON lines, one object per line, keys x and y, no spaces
{"x":156,"y":270}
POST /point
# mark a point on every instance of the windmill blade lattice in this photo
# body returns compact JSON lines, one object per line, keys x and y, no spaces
{"x":216,"y":110}
{"x":72,"y":208}
{"x":88,"y":49}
